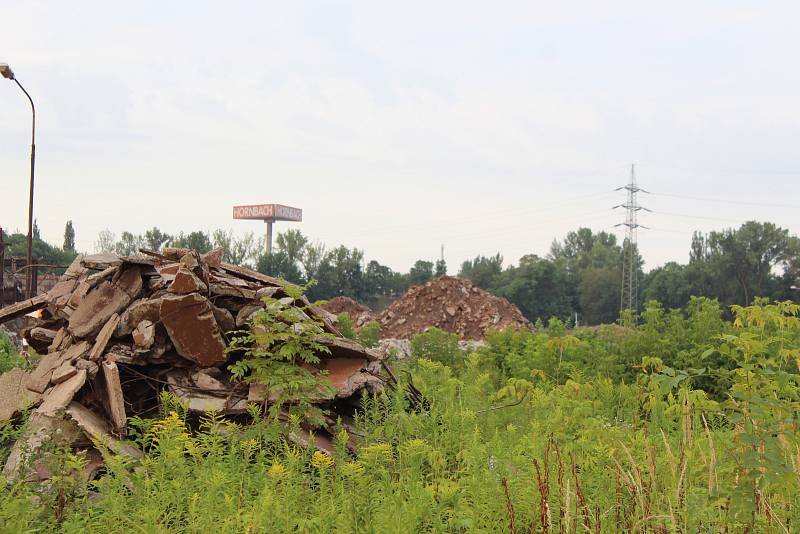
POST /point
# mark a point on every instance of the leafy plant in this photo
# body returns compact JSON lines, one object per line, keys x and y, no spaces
{"x":281,"y":348}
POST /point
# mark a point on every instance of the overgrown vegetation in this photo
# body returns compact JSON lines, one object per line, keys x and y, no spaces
{"x":685,"y":423}
{"x":9,"y":357}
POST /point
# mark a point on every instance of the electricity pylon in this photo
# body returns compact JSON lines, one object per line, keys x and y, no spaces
{"x":629,"y":294}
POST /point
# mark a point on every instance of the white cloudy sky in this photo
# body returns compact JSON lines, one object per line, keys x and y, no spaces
{"x":486,"y":126}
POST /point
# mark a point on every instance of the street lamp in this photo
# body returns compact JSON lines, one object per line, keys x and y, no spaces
{"x":6,"y":71}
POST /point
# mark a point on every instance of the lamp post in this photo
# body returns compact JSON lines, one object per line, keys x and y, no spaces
{"x":6,"y":72}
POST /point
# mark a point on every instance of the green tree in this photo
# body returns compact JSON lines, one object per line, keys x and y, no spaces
{"x":441,"y":268}
{"x":482,"y":271}
{"x":199,"y":241}
{"x":278,"y":265}
{"x":293,"y":243}
{"x":742,"y":260}
{"x":598,"y":295}
{"x":69,"y":237}
{"x":105,"y":241}
{"x":540,"y":288}
{"x":154,"y":239}
{"x":340,"y":273}
{"x":128,"y":244}
{"x":669,"y":285}
{"x":421,"y":272}
{"x":236,"y":251}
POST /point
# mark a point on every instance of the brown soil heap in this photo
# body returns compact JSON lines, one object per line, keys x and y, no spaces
{"x":452,"y":304}
{"x":359,"y":314}
{"x":116,"y":330}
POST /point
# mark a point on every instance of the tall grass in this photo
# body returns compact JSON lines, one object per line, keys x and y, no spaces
{"x":564,"y":447}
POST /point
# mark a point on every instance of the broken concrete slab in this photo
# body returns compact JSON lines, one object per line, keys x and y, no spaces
{"x":24,"y":307}
{"x":104,"y":301}
{"x":347,"y":348}
{"x":187,"y":282}
{"x":140,"y":310}
{"x":103,"y":337}
{"x":64,"y":372}
{"x":214,"y":257}
{"x":114,"y":397}
{"x":144,"y":335}
{"x":221,"y":401}
{"x":245,"y":315}
{"x":58,"y":340}
{"x":40,"y":377}
{"x":14,"y":395}
{"x":346,"y":376}
{"x":59,"y":397}
{"x":189,"y":260}
{"x":98,"y":430}
{"x":191,"y":326}
{"x":224,"y":318}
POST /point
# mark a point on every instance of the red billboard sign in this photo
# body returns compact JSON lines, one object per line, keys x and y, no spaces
{"x":276,"y":212}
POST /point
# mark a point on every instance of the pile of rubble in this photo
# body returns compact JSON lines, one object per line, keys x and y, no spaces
{"x":359,"y":314}
{"x":452,"y":304}
{"x":116,"y":331}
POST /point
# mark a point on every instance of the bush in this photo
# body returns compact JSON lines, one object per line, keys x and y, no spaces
{"x":439,"y":346}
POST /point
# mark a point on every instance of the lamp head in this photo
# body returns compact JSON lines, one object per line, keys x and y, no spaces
{"x":6,"y":71}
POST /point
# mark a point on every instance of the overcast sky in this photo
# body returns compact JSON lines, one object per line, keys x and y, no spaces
{"x":397,"y":127}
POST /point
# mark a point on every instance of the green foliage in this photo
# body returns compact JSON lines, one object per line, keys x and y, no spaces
{"x":9,"y":357}
{"x":420,"y":272}
{"x":437,"y":345}
{"x":482,"y":271}
{"x":370,"y":334}
{"x":43,"y":252}
{"x":603,"y":447}
{"x":282,"y":338}
{"x":69,"y":237}
{"x":199,"y":241}
{"x":345,"y":325}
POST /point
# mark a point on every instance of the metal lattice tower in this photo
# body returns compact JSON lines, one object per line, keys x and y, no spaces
{"x":629,"y":294}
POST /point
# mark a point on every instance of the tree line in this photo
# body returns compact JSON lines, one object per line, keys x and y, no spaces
{"x":579,"y":275}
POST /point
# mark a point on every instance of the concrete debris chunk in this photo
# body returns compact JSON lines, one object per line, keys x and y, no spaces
{"x":103,"y":337}
{"x":187,"y":282}
{"x":64,"y":372}
{"x":214,"y":257}
{"x":192,"y":328}
{"x":140,"y":310}
{"x":104,"y":301}
{"x":97,"y":429}
{"x":144,"y":335}
{"x":115,"y":397}
{"x":14,"y":396}
{"x":59,"y":397}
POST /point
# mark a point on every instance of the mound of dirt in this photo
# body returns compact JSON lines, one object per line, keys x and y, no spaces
{"x":359,"y":314}
{"x":452,"y":304}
